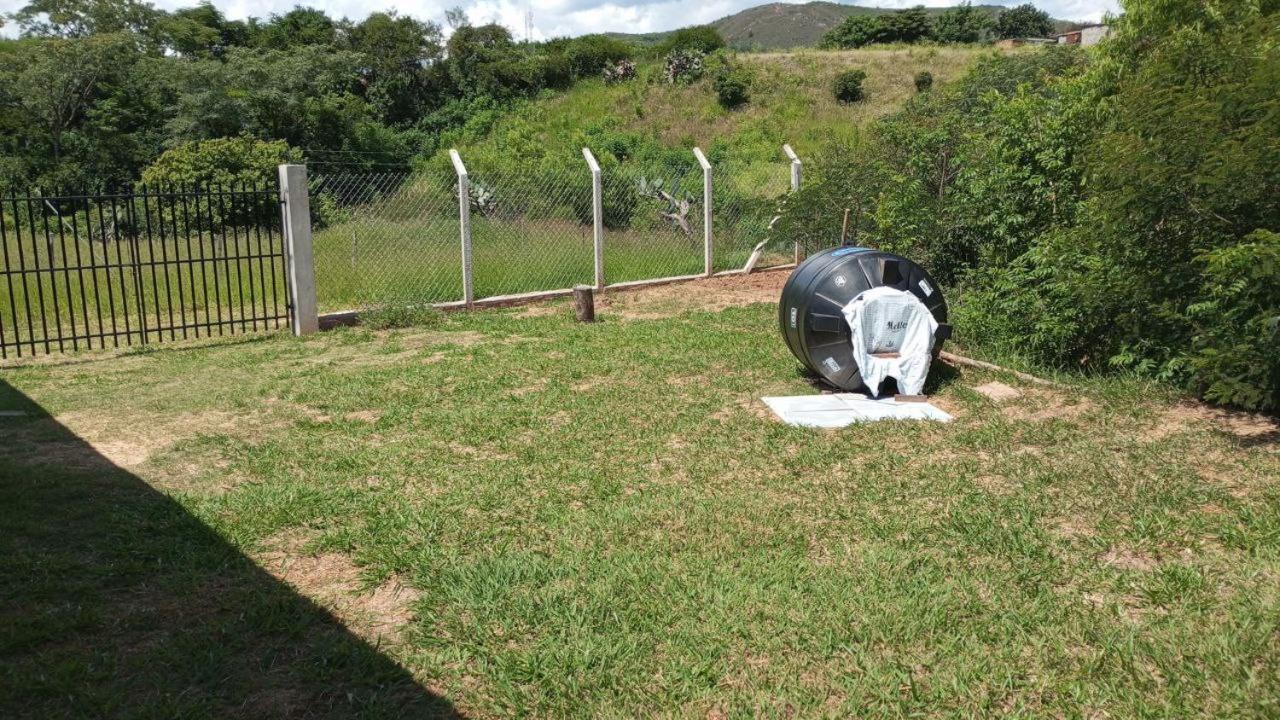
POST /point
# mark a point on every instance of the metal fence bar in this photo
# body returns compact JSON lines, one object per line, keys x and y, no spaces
{"x":708,"y":251}
{"x":50,"y":243}
{"x":597,"y":215}
{"x":464,"y":224}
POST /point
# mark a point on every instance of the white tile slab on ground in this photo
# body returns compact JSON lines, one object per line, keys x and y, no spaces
{"x":840,"y":409}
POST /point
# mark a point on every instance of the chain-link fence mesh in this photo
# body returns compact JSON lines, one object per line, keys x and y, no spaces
{"x":394,"y":237}
{"x":384,"y":238}
{"x":653,"y":222}
{"x":746,"y":202}
{"x":531,"y":229}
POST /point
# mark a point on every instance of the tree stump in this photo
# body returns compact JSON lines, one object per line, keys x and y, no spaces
{"x":584,"y":303}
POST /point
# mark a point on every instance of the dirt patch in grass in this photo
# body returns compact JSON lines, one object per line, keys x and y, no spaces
{"x":713,"y":295}
{"x":998,"y":391}
{"x":1122,"y":558}
{"x":1042,"y":405}
{"x":125,"y":441}
{"x":1251,"y":428}
{"x":379,"y":614}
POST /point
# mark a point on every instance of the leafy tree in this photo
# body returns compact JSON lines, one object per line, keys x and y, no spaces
{"x":202,"y":31}
{"x":299,"y":26}
{"x":51,"y":81}
{"x":856,"y":31}
{"x":699,"y":38}
{"x":82,"y":18}
{"x":396,"y":50}
{"x":962,"y":24}
{"x":910,"y":25}
{"x":1023,"y":21}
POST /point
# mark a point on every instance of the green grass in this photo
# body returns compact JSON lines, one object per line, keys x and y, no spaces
{"x":599,"y":520}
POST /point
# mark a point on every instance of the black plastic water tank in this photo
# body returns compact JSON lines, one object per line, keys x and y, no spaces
{"x":810,"y":311}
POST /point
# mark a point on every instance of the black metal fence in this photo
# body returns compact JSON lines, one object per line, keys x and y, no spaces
{"x":84,"y":271}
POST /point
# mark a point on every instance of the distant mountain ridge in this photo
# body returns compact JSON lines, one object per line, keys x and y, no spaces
{"x":779,"y":26}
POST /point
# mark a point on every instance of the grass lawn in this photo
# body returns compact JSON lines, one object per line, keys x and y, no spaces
{"x":508,"y":513}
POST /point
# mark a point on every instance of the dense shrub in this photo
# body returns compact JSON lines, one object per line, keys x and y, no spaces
{"x":962,"y":24}
{"x":683,"y":66}
{"x":906,"y":26}
{"x":733,"y":86}
{"x":223,"y":162}
{"x":589,"y":55}
{"x":1023,"y":21}
{"x":847,"y":87}
{"x":700,"y":39}
{"x":1119,"y":214}
{"x":923,"y":80}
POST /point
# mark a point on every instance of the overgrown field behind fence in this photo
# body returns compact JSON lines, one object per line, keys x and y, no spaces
{"x":396,"y":236}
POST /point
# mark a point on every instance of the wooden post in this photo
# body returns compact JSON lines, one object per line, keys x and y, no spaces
{"x":298,"y":250}
{"x":708,"y":246}
{"x":844,"y":227}
{"x":464,"y":224}
{"x":796,"y":168}
{"x":597,"y":215}
{"x":584,"y":303}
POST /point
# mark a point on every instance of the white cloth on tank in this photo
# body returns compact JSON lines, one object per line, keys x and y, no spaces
{"x":892,"y":337}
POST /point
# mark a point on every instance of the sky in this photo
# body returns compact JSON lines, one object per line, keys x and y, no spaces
{"x":556,"y":18}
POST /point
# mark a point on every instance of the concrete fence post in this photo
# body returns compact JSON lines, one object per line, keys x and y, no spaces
{"x":464,"y":225}
{"x":708,"y":253}
{"x":298,"y":251}
{"x":597,"y":215}
{"x":796,"y":168}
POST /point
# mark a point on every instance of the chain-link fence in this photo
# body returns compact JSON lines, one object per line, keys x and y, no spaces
{"x":397,"y":237}
{"x":384,"y":237}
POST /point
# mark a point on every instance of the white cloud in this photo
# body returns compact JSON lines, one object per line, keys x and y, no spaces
{"x":552,"y":18}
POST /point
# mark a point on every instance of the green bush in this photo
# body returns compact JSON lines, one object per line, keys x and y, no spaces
{"x":223,"y":162}
{"x":702,"y":39}
{"x":1237,"y":324}
{"x":923,"y":80}
{"x":733,"y":86}
{"x":848,"y":86}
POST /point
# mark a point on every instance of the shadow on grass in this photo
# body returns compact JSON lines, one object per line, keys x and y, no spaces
{"x":117,"y":602}
{"x":941,"y":375}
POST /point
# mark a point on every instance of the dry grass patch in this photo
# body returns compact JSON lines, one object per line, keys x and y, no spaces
{"x":378,"y":614}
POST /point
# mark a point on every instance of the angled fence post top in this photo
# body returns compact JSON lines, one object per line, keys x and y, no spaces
{"x":702,"y":159}
{"x":791,"y":155}
{"x":591,"y":160}
{"x":458,"y":167}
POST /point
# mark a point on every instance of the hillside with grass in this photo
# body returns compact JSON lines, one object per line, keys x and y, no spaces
{"x":791,"y":101}
{"x":780,"y":26}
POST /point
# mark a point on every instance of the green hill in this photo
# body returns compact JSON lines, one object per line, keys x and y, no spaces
{"x":791,"y":102}
{"x":780,"y":26}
